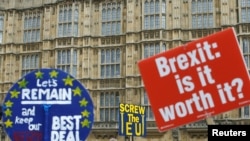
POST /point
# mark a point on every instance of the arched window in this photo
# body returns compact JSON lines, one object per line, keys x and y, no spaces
{"x":76,"y":15}
{"x":104,"y":15}
{"x":153,"y":18}
{"x":118,"y":14}
{"x":152,"y":7}
{"x":60,"y":16}
{"x":146,"y":9}
{"x":32,"y":27}
{"x":111,"y":19}
{"x":202,"y":14}
{"x":157,"y":6}
{"x":68,"y":21}
{"x":113,"y":14}
{"x":30,"y":63}
{"x":110,"y":63}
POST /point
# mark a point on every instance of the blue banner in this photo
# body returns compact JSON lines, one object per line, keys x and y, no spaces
{"x":48,"y":105}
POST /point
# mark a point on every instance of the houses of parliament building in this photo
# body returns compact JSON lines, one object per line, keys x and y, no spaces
{"x":100,"y":42}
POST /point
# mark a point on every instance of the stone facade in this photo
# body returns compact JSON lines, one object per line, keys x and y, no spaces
{"x":43,"y":43}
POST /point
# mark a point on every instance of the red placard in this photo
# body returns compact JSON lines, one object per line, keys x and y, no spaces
{"x":200,"y":79}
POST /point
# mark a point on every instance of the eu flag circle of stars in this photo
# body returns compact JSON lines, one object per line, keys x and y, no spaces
{"x":81,"y":104}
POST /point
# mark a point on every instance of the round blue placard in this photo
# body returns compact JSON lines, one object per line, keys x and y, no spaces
{"x":48,"y":105}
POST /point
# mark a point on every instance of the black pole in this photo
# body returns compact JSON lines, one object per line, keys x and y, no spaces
{"x":132,"y":138}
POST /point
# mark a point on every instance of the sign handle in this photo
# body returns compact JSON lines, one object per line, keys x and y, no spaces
{"x":46,"y":127}
{"x":210,"y":121}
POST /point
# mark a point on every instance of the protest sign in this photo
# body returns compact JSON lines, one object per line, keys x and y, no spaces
{"x":132,"y":120}
{"x":202,"y":78}
{"x":48,"y":105}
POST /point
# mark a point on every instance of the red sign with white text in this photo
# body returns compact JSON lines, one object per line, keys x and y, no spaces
{"x":200,"y":79}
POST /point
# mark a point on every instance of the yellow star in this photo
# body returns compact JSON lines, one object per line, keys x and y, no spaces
{"x":39,"y":74}
{"x":8,"y":103}
{"x":85,"y":113}
{"x":14,"y":94}
{"x":23,"y":83}
{"x":83,"y":102}
{"x":8,"y":123}
{"x":85,"y":123}
{"x":77,"y":91}
{"x":8,"y":112}
{"x":68,"y":81}
{"x":53,"y":74}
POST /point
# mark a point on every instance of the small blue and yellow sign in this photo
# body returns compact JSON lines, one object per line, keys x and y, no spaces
{"x":132,"y":120}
